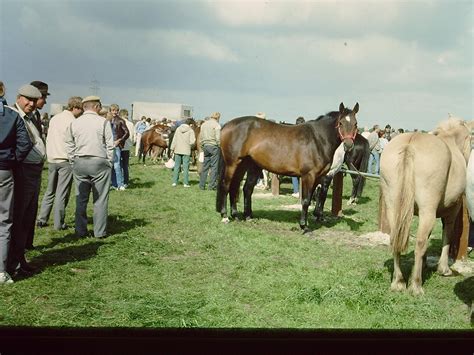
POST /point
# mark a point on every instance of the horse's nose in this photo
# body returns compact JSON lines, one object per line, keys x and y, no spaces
{"x":348,"y":144}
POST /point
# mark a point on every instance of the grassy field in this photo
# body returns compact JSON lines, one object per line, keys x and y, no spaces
{"x":170,"y":262}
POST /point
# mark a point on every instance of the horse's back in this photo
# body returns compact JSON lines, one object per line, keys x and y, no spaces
{"x":434,"y":185}
{"x":272,"y":146}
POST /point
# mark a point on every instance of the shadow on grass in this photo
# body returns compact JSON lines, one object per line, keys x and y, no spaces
{"x":294,"y":217}
{"x":116,"y":225}
{"x":465,"y":292}
{"x":138,"y":184}
{"x":73,"y":253}
{"x":407,"y":263}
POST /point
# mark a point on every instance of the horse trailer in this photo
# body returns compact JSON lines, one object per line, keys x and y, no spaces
{"x":160,"y":110}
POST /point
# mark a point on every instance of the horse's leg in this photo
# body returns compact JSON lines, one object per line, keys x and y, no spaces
{"x":225,"y":180}
{"x":448,"y":233}
{"x":356,"y":180}
{"x":253,"y":173}
{"x":144,"y":152}
{"x":321,"y":198}
{"x":398,"y":282}
{"x":235,"y":188}
{"x":308,"y":184}
{"x":427,"y":219}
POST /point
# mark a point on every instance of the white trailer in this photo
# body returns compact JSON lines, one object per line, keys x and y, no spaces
{"x":159,"y":110}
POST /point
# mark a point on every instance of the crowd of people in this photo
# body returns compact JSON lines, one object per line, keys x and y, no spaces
{"x":84,"y":144}
{"x":89,"y":146}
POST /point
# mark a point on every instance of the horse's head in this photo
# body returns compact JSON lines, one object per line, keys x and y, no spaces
{"x":346,"y":125}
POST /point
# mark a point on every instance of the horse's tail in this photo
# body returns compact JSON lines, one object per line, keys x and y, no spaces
{"x":404,"y":201}
{"x":220,"y":195}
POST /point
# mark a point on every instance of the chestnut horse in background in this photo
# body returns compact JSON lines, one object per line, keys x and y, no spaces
{"x":423,"y":174}
{"x":250,"y":144}
{"x":157,"y":137}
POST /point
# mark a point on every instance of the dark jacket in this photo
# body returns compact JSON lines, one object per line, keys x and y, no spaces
{"x":120,"y":130}
{"x":15,"y":144}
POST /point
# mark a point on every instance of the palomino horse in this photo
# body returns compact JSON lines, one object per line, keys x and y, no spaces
{"x":355,"y":159}
{"x":423,"y":174}
{"x":250,"y":144}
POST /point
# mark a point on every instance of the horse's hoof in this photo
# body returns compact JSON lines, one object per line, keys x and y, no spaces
{"x":248,"y":219}
{"x":416,"y":290}
{"x":445,"y":271}
{"x":398,"y":286}
{"x":225,"y":220}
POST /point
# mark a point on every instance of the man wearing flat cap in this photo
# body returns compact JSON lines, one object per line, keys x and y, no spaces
{"x":43,"y":88}
{"x":15,"y":145}
{"x":210,"y":137}
{"x":27,"y":176}
{"x":90,"y":147}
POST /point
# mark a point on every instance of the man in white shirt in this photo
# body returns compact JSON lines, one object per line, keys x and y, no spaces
{"x":59,"y":168}
{"x":27,"y":177}
{"x":90,"y":147}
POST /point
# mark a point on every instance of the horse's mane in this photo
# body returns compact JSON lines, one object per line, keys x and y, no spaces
{"x":446,"y":126}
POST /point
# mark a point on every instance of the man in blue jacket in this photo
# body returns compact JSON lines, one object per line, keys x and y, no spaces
{"x":15,"y":145}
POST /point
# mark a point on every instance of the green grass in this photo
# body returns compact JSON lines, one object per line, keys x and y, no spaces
{"x":170,"y":262}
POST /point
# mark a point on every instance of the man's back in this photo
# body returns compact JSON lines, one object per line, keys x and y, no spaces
{"x":210,"y":133}
{"x":91,"y":136}
{"x":55,"y":140}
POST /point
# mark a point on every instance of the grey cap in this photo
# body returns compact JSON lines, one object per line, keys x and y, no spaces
{"x":91,"y":98}
{"x":29,"y":91}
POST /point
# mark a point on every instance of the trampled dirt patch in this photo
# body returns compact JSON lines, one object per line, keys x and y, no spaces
{"x":369,"y":239}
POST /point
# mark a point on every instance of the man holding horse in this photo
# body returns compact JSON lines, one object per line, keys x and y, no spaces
{"x":210,"y":142}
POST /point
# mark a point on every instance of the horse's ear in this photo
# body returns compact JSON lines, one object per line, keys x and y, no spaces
{"x":341,"y":107}
{"x":356,"y":108}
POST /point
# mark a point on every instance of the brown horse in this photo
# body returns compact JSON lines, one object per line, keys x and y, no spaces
{"x":423,"y":174}
{"x":156,"y":136}
{"x":250,"y":144}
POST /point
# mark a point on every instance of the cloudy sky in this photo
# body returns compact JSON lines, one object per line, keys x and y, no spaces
{"x":407,"y":63}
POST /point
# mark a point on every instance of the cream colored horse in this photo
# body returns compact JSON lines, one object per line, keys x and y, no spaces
{"x":423,"y":174}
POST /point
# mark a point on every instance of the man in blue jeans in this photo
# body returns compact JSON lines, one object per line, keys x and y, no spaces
{"x":120,"y":133}
{"x":210,"y":143}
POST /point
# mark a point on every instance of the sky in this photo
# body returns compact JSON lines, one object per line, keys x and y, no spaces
{"x":407,"y":63}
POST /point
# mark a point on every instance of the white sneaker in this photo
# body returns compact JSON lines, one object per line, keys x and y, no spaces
{"x":121,"y":188}
{"x":173,"y":184}
{"x":296,"y":194}
{"x":186,"y":185}
{"x":5,"y":278}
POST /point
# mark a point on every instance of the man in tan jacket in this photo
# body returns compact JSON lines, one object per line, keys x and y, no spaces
{"x":184,"y":139}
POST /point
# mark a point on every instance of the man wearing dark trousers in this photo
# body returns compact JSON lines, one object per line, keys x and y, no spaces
{"x":36,"y":119}
{"x":27,"y":176}
{"x":210,"y":137}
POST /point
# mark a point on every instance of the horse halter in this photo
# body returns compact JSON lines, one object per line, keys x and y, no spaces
{"x":350,"y":136}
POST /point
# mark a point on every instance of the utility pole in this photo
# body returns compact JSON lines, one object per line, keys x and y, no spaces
{"x":95,"y":88}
